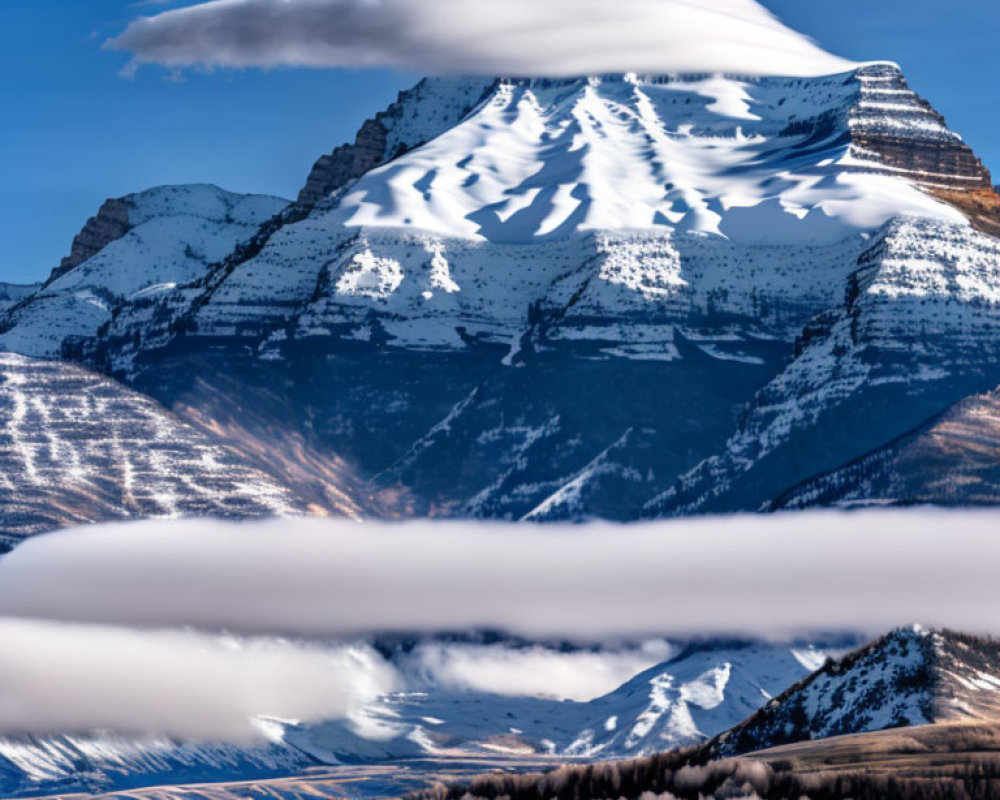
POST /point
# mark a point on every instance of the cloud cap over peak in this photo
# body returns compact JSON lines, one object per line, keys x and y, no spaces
{"x":485,"y":37}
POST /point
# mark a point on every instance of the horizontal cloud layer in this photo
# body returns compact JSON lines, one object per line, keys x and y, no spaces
{"x":57,"y":678}
{"x":491,"y":37}
{"x":766,"y":575}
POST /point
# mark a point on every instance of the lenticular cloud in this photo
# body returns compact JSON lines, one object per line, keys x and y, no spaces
{"x":488,"y":37}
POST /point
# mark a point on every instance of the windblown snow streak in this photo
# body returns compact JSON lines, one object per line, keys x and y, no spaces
{"x":488,"y":37}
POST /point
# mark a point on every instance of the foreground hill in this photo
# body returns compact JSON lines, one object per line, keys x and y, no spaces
{"x":941,"y":761}
{"x":911,"y":677}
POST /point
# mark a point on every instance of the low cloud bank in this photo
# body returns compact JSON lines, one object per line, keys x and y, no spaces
{"x":64,"y":678}
{"x":531,"y":671}
{"x":489,"y":37}
{"x":773,"y":576}
{"x":57,"y":678}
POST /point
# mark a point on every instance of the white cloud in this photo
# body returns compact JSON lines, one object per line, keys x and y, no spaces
{"x":532,"y":671}
{"x":491,"y":37}
{"x":57,"y":678}
{"x":767,"y":575}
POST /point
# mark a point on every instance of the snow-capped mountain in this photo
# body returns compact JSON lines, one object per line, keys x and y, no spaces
{"x":596,"y":202}
{"x":910,"y":677}
{"x":705,"y":689}
{"x":617,"y":296}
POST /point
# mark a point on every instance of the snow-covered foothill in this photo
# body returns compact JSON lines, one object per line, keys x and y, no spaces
{"x":174,"y":233}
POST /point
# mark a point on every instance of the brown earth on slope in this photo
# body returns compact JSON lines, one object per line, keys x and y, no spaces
{"x":981,"y":206}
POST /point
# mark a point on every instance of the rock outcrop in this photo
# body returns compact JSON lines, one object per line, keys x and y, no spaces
{"x":380,"y":140}
{"x":981,"y":206}
{"x":111,"y":223}
{"x":892,"y":125}
{"x":345,"y":164}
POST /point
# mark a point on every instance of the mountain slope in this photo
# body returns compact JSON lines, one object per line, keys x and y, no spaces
{"x":915,"y":335}
{"x":76,"y":447}
{"x":950,"y":460}
{"x":13,"y":293}
{"x":911,"y":677}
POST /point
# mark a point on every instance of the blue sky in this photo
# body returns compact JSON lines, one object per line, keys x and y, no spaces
{"x":74,"y":132}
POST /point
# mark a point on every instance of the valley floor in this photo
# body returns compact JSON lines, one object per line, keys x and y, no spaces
{"x":960,"y":761}
{"x":945,"y":761}
{"x":361,"y":782}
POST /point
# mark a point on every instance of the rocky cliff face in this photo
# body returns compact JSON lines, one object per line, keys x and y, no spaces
{"x":383,"y":138}
{"x":109,"y":224}
{"x":898,"y":130}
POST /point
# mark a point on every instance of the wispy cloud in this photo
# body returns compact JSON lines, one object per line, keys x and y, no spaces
{"x":493,"y":37}
{"x":766,"y":575}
